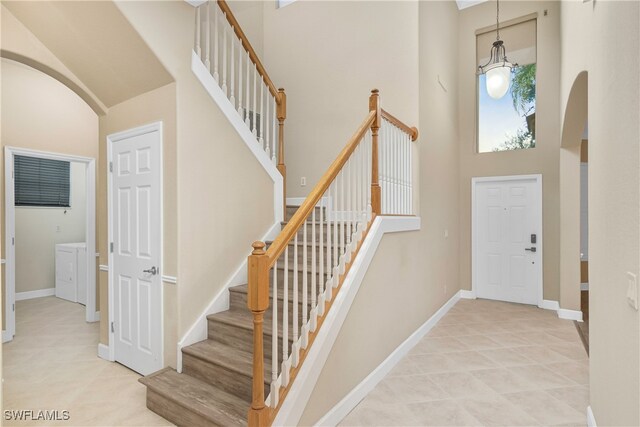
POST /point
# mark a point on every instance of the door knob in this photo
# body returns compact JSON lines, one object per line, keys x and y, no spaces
{"x":532,"y":249}
{"x":153,"y":271}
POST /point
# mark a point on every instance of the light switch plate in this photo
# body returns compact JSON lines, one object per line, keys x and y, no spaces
{"x":632,"y":290}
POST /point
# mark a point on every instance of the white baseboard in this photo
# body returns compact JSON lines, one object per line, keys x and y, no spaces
{"x":300,"y":392}
{"x":465,"y":294}
{"x":6,"y":336}
{"x":198,"y":330}
{"x":549,"y":305}
{"x":170,"y":279}
{"x":563,"y":313}
{"x":103,"y":267}
{"x":96,"y":316}
{"x":103,"y":352}
{"x":591,"y":420}
{"x":20,"y":296}
{"x":584,"y":286}
{"x":219,"y":97}
{"x":351,"y":400}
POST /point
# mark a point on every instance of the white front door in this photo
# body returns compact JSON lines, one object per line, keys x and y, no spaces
{"x":136,"y":257}
{"x":508,"y":239}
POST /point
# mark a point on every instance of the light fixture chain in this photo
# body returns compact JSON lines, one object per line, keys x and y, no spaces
{"x":497,"y":19}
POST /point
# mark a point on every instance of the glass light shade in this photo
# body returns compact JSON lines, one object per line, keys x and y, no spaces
{"x":498,"y":81}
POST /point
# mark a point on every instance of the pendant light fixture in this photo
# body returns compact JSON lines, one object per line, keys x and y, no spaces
{"x":498,"y":69}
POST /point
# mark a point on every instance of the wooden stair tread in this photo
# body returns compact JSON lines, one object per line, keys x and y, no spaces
{"x":230,"y":358}
{"x":210,"y":402}
{"x":244,"y":319}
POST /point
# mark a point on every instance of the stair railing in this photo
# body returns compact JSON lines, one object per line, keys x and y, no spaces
{"x":226,"y":52}
{"x":331,"y":224}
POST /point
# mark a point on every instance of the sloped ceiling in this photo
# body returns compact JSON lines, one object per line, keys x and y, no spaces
{"x":463,"y":4}
{"x":97,"y":43}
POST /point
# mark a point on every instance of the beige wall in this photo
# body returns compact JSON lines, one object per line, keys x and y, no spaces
{"x":602,"y":38}
{"x":224,"y":197}
{"x":250,"y":15}
{"x":156,"y":105}
{"x":421,"y":264}
{"x":328,"y":72}
{"x":38,"y":230}
{"x":544,"y":159}
{"x":40,"y":113}
{"x":19,"y":43}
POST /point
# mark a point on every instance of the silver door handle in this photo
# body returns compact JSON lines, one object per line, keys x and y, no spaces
{"x":532,"y":249}
{"x":153,"y":271}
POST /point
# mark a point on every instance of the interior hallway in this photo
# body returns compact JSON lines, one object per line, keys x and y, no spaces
{"x":52,"y":365}
{"x":486,"y":363}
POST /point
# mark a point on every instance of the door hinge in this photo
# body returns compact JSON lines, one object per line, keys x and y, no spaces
{"x":113,"y":329}
{"x":110,"y":166}
{"x":111,"y":247}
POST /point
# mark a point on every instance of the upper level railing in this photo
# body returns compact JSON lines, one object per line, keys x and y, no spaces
{"x":292,"y":283}
{"x":227,"y":54}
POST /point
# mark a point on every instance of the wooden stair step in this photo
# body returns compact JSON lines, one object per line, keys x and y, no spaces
{"x":244,"y":289}
{"x":243,"y":319}
{"x":223,"y":366}
{"x":188,"y":401}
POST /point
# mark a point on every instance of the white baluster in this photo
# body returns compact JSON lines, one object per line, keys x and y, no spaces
{"x":285,"y":319}
{"x":321,"y":260}
{"x":294,"y":350}
{"x":347,"y":238}
{"x":266,"y":121}
{"x":207,"y":41}
{"x":240,"y":80}
{"x":336,"y":247}
{"x":274,"y":341}
{"x":224,"y":54}
{"x":261,"y":127}
{"x":247,"y":104}
{"x":305,"y":289}
{"x":410,"y":178}
{"x":254,"y":123}
{"x":232,"y":98}
{"x":197,"y":34}
{"x":216,"y":46}
{"x":274,"y":150}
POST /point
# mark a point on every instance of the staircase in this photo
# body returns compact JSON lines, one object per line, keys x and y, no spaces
{"x":241,"y":374}
{"x":215,"y":386}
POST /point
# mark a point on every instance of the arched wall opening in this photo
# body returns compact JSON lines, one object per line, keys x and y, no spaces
{"x":573,"y":128}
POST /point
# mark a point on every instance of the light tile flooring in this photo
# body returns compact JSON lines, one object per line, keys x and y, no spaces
{"x":52,"y":364}
{"x":486,"y":363}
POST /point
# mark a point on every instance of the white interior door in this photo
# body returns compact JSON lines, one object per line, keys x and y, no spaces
{"x":508,"y":239}
{"x":136,"y":257}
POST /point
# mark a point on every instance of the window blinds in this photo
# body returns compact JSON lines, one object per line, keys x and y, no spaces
{"x":41,"y":182}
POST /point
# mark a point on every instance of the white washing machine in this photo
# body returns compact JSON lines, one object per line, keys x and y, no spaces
{"x":71,"y":272}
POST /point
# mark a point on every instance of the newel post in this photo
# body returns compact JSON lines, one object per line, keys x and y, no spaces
{"x":258,"y":302}
{"x":282,"y":115}
{"x":376,"y":197}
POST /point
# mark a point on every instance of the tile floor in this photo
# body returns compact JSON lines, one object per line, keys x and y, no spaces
{"x":486,"y":363}
{"x":52,"y":363}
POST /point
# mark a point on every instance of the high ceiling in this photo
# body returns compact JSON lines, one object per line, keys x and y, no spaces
{"x":463,"y":4}
{"x":97,"y":43}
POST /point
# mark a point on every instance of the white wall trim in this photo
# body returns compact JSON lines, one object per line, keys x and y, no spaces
{"x":474,"y":244}
{"x":104,"y":352}
{"x":563,"y":313}
{"x":584,"y":286}
{"x":591,"y":420}
{"x":97,"y":316}
{"x":549,"y":305}
{"x":104,"y":268}
{"x":465,"y":294}
{"x":359,"y":392}
{"x":293,"y":407}
{"x":198,"y":330}
{"x":170,"y":279}
{"x":9,"y":226}
{"x":47,"y":292}
{"x":196,"y":3}
{"x":210,"y":85}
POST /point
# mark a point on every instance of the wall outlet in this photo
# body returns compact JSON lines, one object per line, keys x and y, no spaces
{"x":632,"y":290}
{"x":303,"y":181}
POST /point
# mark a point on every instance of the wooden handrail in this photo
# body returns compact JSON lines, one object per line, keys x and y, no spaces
{"x":280,"y":243}
{"x":413,"y":131}
{"x":245,"y":43}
